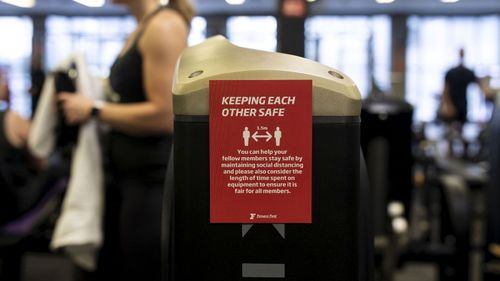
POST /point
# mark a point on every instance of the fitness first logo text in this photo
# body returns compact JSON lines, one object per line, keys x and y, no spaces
{"x":254,"y":216}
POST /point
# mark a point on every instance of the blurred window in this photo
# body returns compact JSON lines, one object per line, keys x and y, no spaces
{"x":198,"y":32}
{"x":256,"y":32}
{"x":433,"y":44}
{"x":15,"y":53}
{"x":355,"y":45}
{"x":100,"y":46}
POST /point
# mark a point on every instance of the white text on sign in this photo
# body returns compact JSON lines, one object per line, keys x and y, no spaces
{"x":256,"y":112}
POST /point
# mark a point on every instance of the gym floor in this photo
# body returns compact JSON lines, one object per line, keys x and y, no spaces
{"x":43,"y":266}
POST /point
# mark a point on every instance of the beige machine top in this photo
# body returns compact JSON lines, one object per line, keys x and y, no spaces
{"x":334,"y":94}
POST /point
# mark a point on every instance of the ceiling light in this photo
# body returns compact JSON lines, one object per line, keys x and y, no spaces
{"x":384,"y":1}
{"x":91,"y":3}
{"x":311,"y":1}
{"x":235,"y":2}
{"x":450,"y":1}
{"x":20,"y":3}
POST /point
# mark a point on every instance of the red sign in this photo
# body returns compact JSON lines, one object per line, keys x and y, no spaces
{"x":260,"y":151}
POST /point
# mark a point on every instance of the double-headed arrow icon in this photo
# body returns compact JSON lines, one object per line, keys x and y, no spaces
{"x":268,"y":136}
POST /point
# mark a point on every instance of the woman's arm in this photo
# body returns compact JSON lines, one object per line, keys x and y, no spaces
{"x":16,"y":129}
{"x":160,"y":45}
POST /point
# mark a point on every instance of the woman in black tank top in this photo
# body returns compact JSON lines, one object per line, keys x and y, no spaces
{"x":141,"y":119}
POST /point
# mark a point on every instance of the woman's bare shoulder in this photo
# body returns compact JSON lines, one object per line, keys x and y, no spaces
{"x":166,"y":31}
{"x":167,"y":21}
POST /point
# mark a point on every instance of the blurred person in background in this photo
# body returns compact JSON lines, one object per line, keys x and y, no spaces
{"x":138,"y":146}
{"x":454,"y":97}
{"x":4,"y":89}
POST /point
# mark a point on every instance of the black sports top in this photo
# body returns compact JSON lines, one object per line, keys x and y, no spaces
{"x":132,"y":155}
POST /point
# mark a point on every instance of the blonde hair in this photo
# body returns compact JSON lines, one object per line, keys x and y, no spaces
{"x":184,"y":8}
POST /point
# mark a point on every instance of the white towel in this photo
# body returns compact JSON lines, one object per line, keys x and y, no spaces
{"x":42,"y":138}
{"x":78,"y":230}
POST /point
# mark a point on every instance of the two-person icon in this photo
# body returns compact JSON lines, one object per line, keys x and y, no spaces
{"x":247,"y":134}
